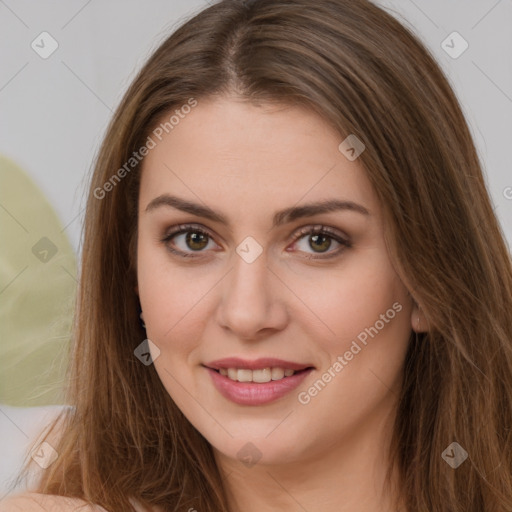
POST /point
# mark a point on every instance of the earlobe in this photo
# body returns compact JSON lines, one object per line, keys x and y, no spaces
{"x":418,"y":320}
{"x":141,"y":314}
{"x":142,"y":323}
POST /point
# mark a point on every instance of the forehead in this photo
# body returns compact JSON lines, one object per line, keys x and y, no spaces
{"x":227,"y":151}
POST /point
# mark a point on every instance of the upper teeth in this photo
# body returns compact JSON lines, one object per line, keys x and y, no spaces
{"x":263,"y":375}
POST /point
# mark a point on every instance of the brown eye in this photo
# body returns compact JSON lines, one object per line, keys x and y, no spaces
{"x":322,"y":242}
{"x":196,"y":240}
{"x":319,"y":240}
{"x":186,"y":239}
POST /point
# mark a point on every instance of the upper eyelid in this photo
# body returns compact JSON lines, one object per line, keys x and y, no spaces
{"x":297,"y":234}
{"x":184,"y":227}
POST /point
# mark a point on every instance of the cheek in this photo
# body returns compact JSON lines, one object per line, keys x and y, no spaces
{"x":172,"y":299}
{"x":355,"y":298}
{"x":368,"y":311}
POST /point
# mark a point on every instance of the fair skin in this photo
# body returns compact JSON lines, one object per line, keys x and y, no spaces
{"x":247,"y":162}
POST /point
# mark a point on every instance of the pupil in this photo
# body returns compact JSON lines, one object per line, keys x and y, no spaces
{"x":195,"y":238}
{"x":315,"y":239}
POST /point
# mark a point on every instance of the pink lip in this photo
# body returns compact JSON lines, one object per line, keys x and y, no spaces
{"x":253,"y":393}
{"x":258,"y":364}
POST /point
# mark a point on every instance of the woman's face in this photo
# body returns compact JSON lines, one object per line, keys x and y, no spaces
{"x":248,"y":282}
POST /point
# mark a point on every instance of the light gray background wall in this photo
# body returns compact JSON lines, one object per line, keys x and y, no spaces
{"x":53,"y":111}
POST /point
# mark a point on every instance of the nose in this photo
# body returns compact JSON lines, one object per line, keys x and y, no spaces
{"x":252,"y":300}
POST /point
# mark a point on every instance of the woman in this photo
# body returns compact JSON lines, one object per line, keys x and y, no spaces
{"x":290,"y":199}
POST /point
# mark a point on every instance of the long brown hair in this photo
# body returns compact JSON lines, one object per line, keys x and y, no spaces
{"x":365,"y":74}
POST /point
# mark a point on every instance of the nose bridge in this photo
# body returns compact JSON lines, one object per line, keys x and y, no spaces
{"x":249,"y":302}
{"x":249,"y":277}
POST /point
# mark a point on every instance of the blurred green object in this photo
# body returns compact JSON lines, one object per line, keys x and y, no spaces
{"x":37,"y":293}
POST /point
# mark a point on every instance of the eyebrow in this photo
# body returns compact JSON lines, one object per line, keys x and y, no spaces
{"x":280,"y":217}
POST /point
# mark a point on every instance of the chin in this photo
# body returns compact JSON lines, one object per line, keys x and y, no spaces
{"x":251,"y":450}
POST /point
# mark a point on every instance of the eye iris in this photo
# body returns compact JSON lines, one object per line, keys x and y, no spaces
{"x":194,"y":237}
{"x":315,"y":239}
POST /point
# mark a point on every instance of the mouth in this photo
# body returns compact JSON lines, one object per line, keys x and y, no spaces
{"x":256,"y":382}
{"x":261,"y":370}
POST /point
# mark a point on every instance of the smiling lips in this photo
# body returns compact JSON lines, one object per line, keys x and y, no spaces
{"x":256,"y":382}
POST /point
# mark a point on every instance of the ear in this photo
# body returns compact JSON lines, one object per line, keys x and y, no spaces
{"x":418,"y":320}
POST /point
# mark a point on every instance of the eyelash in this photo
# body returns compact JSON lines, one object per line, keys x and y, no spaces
{"x":307,"y":230}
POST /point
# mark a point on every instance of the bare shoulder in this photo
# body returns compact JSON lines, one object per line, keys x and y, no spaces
{"x":36,"y":502}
